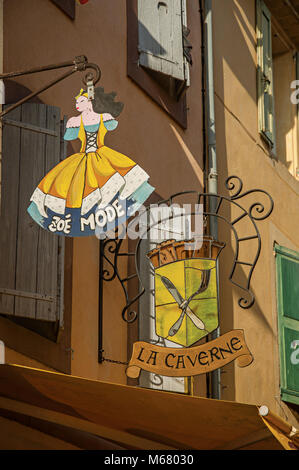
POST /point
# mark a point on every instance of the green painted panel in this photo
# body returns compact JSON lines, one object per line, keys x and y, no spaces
{"x":287,"y":270}
{"x":290,"y":287}
{"x":291,"y":356}
{"x":289,"y":397}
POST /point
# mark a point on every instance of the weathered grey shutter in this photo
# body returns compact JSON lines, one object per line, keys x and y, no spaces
{"x":265,"y":72}
{"x":31,"y":259}
{"x":287,"y":266}
{"x":160,"y":37}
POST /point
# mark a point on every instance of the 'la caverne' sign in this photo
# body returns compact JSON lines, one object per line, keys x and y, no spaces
{"x":186,"y":310}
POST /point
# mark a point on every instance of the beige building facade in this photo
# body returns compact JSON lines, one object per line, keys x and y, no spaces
{"x":166,"y":128}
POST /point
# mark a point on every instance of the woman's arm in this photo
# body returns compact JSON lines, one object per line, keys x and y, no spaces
{"x":72,"y":128}
{"x":109,"y":122}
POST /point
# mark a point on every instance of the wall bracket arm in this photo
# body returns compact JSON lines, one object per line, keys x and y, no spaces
{"x":79,"y":64}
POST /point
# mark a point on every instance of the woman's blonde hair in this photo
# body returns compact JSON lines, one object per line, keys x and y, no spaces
{"x":103,"y":102}
{"x":82,"y":93}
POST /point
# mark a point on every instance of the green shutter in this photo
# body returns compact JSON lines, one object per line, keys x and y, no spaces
{"x":287,"y":269}
{"x":265,"y":72}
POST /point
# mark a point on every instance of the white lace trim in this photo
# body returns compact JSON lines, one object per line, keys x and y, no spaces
{"x":38,"y":197}
{"x":125,"y":185}
{"x":115,"y":183}
{"x":134,"y":179}
{"x":56,"y":204}
{"x":90,"y":200}
{"x":42,"y":200}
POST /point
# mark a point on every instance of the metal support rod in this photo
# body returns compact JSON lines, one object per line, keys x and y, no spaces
{"x":212,"y":175}
{"x":80,"y":63}
{"x":100,"y":312}
{"x":292,"y":8}
{"x":32,"y":95}
{"x":42,"y":68}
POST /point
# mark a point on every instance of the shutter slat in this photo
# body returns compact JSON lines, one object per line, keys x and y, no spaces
{"x":48,"y":244}
{"x":61,"y":241}
{"x":160,"y":36}
{"x":29,"y":255}
{"x":9,"y":210}
{"x":32,"y":170}
{"x":165,"y":15}
{"x":177,"y":40}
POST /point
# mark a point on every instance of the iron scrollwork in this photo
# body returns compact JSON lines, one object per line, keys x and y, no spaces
{"x":111,"y":248}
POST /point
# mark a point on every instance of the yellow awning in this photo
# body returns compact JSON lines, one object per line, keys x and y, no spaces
{"x":46,"y":410}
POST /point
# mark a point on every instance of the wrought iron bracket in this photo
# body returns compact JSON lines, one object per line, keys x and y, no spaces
{"x":111,"y":249}
{"x":79,"y":64}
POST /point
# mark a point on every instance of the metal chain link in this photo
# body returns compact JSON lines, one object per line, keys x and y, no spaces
{"x":115,"y":362}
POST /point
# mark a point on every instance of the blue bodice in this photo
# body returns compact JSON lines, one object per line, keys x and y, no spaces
{"x":71,"y":133}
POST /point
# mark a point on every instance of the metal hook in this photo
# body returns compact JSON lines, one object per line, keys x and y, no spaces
{"x":91,"y":79}
{"x":91,"y":76}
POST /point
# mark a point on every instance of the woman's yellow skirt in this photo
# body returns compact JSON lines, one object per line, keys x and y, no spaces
{"x":84,"y":183}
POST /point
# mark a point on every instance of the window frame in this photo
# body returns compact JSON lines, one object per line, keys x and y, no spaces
{"x":284,"y":321}
{"x":177,"y":109}
{"x":268,"y":135}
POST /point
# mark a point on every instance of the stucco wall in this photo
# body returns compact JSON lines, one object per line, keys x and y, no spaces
{"x":286,"y":114}
{"x":242,"y":152}
{"x":38,"y":33}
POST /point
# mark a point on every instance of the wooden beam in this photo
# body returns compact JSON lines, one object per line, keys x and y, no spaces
{"x":27,"y":295}
{"x":124,"y":438}
{"x":248,"y":440}
{"x":30,"y":127}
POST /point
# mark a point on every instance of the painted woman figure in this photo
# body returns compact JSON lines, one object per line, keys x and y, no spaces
{"x":96,"y":189}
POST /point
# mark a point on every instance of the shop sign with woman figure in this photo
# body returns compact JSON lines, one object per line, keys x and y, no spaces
{"x":97,"y":189}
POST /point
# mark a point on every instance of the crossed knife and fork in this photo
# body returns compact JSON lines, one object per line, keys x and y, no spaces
{"x":184,"y":303}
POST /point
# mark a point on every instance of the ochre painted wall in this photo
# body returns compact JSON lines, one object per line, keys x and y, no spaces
{"x":37,"y":33}
{"x":286,"y":116}
{"x":173,"y":158}
{"x":14,"y":357}
{"x":242,"y":152}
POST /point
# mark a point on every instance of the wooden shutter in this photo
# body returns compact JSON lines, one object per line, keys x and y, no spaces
{"x":161,"y":37}
{"x":265,"y":72}
{"x":287,"y":264}
{"x":31,"y":259}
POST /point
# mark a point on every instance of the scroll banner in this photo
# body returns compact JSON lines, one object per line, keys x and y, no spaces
{"x":185,"y":362}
